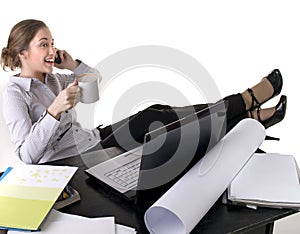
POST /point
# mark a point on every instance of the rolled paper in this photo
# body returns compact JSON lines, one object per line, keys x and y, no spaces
{"x":189,"y":199}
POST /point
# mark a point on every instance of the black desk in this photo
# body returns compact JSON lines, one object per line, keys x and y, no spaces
{"x":97,"y":201}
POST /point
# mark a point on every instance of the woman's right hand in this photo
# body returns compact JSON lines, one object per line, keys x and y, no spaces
{"x":65,"y":100}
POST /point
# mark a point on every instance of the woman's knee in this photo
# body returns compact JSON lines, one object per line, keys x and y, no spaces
{"x":158,"y":107}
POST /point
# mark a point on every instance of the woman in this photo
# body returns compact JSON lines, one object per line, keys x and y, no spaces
{"x":38,"y":105}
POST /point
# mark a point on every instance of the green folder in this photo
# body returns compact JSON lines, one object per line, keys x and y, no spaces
{"x":28,"y":192}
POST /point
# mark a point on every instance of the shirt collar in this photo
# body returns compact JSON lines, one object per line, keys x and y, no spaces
{"x":24,"y":83}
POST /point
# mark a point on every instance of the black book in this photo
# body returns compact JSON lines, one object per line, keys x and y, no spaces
{"x":68,"y":196}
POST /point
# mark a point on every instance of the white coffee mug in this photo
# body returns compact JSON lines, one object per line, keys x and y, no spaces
{"x":88,"y":84}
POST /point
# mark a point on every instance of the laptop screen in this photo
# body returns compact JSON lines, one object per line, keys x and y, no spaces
{"x":170,"y":151}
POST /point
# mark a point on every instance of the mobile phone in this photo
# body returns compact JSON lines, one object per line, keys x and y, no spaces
{"x":57,"y":58}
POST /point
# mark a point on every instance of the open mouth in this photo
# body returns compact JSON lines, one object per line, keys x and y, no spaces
{"x":49,"y":61}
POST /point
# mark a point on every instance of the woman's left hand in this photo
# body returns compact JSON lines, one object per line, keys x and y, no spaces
{"x":67,"y":62}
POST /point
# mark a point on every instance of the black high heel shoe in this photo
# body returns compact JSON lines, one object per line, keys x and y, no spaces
{"x":279,"y":114}
{"x":275,"y":78}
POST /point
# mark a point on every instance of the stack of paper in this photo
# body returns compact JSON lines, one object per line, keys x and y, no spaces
{"x":28,"y":192}
{"x":60,"y":223}
{"x":270,"y":180}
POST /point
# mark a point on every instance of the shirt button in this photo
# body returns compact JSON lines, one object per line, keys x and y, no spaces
{"x":76,"y":130}
{"x":90,"y":139}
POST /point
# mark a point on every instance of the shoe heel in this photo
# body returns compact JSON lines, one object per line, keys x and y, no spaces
{"x":270,"y":138}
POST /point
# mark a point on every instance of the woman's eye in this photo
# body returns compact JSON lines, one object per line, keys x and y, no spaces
{"x":44,"y":45}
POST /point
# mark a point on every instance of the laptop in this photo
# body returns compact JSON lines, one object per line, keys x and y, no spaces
{"x":166,"y":154}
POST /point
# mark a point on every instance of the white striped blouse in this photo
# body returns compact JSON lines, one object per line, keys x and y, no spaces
{"x":37,"y":136}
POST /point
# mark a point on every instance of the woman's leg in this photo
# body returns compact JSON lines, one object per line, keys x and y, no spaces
{"x":248,"y":103}
{"x":132,"y":130}
{"x":236,"y":110}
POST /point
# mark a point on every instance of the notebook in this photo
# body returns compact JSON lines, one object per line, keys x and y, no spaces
{"x":267,"y":180}
{"x":166,"y":154}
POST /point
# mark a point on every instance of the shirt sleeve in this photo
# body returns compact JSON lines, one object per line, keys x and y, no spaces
{"x":82,"y":68}
{"x":30,"y":139}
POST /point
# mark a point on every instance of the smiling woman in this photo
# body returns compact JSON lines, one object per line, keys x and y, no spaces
{"x":41,"y":52}
{"x":18,"y":42}
{"x":38,"y":105}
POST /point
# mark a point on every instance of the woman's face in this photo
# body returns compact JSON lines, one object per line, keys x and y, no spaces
{"x":39,"y":57}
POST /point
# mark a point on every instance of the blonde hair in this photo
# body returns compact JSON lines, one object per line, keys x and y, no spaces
{"x":19,"y":38}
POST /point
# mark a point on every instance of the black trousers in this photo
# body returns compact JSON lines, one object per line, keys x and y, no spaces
{"x":136,"y":126}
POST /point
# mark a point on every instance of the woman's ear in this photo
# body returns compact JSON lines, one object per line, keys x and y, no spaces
{"x":22,"y":54}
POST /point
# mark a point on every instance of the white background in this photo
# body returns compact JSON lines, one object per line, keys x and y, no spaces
{"x":238,"y":42}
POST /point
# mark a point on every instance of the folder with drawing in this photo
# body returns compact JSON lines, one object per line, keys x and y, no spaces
{"x":267,"y":180}
{"x":28,"y":192}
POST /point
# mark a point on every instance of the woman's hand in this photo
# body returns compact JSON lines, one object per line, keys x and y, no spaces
{"x":67,"y":62}
{"x":65,"y":100}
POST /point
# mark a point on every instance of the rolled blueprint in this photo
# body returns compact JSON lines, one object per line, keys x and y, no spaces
{"x":187,"y":201}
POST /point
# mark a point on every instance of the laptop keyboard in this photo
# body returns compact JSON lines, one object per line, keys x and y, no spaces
{"x":126,"y":175}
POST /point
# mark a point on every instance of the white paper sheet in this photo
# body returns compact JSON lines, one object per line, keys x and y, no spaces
{"x":61,"y":223}
{"x":268,"y":179}
{"x":185,"y":204}
{"x":121,"y":229}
